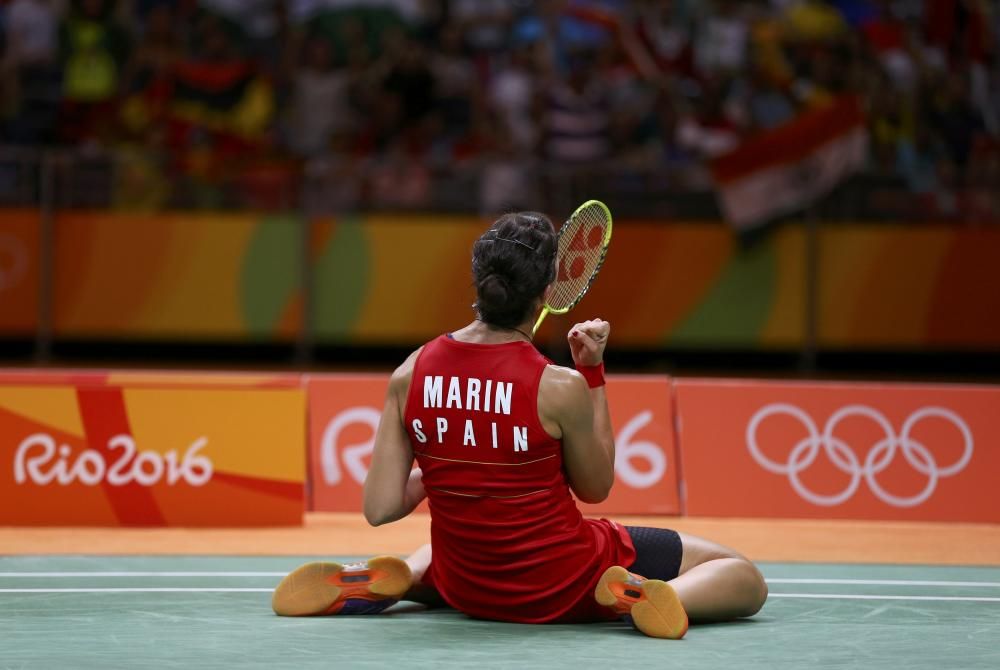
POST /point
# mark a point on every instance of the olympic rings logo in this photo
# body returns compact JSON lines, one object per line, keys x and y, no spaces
{"x":805,"y":451}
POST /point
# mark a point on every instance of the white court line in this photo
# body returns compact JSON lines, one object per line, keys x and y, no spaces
{"x":206,"y":573}
{"x":855,"y":596}
{"x":217,"y":573}
{"x":883,"y":582}
{"x":141,"y":574}
{"x":818,"y":596}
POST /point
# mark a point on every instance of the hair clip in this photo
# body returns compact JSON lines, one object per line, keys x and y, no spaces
{"x":507,"y":239}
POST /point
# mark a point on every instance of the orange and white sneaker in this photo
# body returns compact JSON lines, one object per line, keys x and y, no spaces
{"x":317,"y":589}
{"x":651,"y":605}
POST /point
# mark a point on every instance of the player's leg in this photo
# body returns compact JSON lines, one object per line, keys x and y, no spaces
{"x":717,"y":583}
{"x":676,"y":576}
{"x":366,"y":587}
{"x":419,"y":592}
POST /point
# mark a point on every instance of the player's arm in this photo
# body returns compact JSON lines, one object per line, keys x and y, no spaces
{"x":393,"y":489}
{"x":580,"y":416}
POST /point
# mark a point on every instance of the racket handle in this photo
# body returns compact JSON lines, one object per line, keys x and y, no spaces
{"x":541,"y":317}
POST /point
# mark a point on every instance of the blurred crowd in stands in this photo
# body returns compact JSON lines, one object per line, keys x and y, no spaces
{"x":368,"y":101}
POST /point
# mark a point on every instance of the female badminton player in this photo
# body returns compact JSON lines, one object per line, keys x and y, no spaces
{"x":502,"y":437}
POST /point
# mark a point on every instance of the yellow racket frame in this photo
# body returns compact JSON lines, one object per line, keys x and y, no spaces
{"x":548,"y":309}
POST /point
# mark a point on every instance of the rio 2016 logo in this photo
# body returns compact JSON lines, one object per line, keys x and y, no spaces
{"x":628,"y":450}
{"x":41,"y":461}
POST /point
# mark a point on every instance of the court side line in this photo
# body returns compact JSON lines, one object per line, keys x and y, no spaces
{"x":818,"y":596}
{"x":856,"y":596}
{"x":775,"y":580}
{"x":883,"y":582}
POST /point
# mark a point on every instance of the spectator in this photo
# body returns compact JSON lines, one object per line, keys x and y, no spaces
{"x":455,"y":81}
{"x":710,"y":130}
{"x":563,"y":28}
{"x":888,"y":39}
{"x":94,"y":52}
{"x":664,"y":28}
{"x":220,"y":113}
{"x":762,"y":103}
{"x":891,"y":124}
{"x":258,"y":20}
{"x":507,"y":179}
{"x":148,"y":79}
{"x":723,"y":40}
{"x":822,"y":79}
{"x":31,"y":28}
{"x":957,"y":121}
{"x":512,"y":94}
{"x":407,"y":86}
{"x":814,"y":22}
{"x":409,"y":81}
{"x":320,"y":101}
{"x":5,"y":94}
{"x":29,"y":74}
{"x":917,"y":158}
{"x":219,"y":88}
{"x":957,"y":32}
{"x":631,"y":98}
{"x":577,"y":114}
{"x":484,"y":23}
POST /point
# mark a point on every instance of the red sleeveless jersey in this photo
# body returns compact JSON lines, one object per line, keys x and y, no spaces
{"x":508,"y":540}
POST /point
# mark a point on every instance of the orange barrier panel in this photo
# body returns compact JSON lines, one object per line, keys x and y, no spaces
{"x":856,"y":451}
{"x":149,"y":378}
{"x":19,"y":275}
{"x":646,"y":473}
{"x":91,"y":454}
{"x":344,"y":412}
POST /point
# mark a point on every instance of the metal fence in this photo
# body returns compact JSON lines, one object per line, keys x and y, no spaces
{"x":142,"y":180}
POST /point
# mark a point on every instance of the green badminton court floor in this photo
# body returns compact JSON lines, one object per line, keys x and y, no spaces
{"x":199,"y":612}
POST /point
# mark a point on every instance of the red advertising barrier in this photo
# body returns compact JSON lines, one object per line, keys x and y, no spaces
{"x":150,"y":448}
{"x":856,"y":451}
{"x":344,"y":412}
{"x":92,"y":454}
{"x":646,"y":473}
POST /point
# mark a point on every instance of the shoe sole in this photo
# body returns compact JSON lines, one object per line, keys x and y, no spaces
{"x":653,"y":605}
{"x":323,"y":588}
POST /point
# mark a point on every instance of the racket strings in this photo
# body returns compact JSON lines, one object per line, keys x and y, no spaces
{"x":581,"y":252}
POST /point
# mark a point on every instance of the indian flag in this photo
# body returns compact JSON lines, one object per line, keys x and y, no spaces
{"x":789,"y":167}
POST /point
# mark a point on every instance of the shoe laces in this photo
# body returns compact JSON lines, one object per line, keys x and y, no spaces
{"x":356,"y":567}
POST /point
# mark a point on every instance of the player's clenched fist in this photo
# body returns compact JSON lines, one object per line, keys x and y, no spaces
{"x":587,"y":341}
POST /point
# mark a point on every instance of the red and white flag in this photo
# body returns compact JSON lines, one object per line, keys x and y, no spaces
{"x":786,"y":169}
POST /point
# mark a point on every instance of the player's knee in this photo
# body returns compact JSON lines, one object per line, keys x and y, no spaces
{"x":756,"y":589}
{"x":754,"y":584}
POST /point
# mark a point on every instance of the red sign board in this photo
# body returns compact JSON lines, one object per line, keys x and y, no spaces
{"x":854,"y":451}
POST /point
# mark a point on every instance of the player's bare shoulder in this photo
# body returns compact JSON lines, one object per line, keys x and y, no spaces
{"x":399,"y":382}
{"x":561,"y":389}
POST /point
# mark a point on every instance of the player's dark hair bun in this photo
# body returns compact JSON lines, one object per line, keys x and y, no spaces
{"x":494,"y":290}
{"x":512,"y":263}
